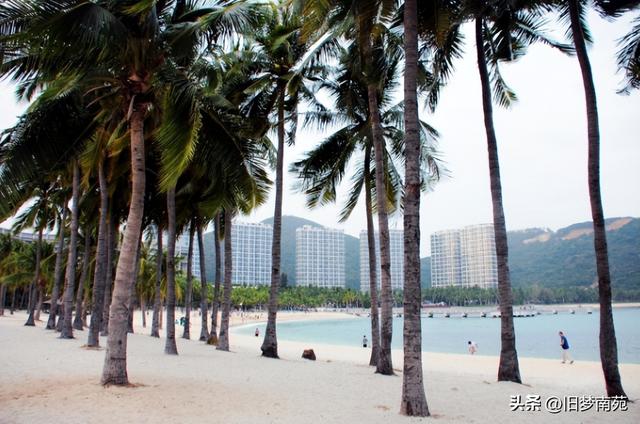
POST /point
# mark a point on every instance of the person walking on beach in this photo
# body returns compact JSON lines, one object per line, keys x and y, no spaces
{"x":257,"y":332}
{"x":564,"y":344}
{"x":365,"y":342}
{"x":473,"y":347}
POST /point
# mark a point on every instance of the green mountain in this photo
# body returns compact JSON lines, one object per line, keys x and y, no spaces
{"x":536,"y":256}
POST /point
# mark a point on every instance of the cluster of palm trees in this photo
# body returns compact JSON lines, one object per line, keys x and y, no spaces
{"x":155,"y":116}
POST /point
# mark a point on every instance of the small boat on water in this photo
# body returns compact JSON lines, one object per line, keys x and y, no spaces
{"x":447,"y":315}
{"x":554,"y":312}
{"x":483,"y":315}
{"x":572,"y":312}
{"x":589,"y":312}
{"x":430,"y":315}
{"x":464,"y":315}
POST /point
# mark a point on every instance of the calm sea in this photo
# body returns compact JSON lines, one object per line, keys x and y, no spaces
{"x":535,"y":336}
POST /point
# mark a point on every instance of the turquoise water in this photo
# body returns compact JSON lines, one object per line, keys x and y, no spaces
{"x":535,"y":336}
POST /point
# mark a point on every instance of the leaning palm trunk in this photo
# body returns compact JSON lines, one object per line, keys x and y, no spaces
{"x":204,"y":330}
{"x":157,"y":299}
{"x":170,"y":347}
{"x":72,"y":257}
{"x":101,"y":263}
{"x":115,"y":359}
{"x":385,"y":365}
{"x":33,"y":287}
{"x":270,"y":344}
{"x":213,"y":337}
{"x":223,"y":341}
{"x":373,"y":278}
{"x":414,"y":401}
{"x":608,"y":343}
{"x":131,"y":304}
{"x":112,"y":240}
{"x":78,"y":321}
{"x":186,"y":333}
{"x":508,"y":369}
{"x":57,"y":273}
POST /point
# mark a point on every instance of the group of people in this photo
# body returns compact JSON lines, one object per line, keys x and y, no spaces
{"x":473,"y":346}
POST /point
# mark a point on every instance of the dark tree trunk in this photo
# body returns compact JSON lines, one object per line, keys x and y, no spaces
{"x":13,"y":302}
{"x":223,"y":341}
{"x":508,"y":369}
{"x":41,"y":289}
{"x":414,"y":401}
{"x":112,"y":242}
{"x":608,"y":343}
{"x":72,"y":258}
{"x":270,"y":344}
{"x":131,"y":305}
{"x":34,"y":284}
{"x":115,"y":359}
{"x":204,"y":305}
{"x":213,"y":337}
{"x":157,"y":296}
{"x":99,"y":278}
{"x":86,"y":260}
{"x":186,"y":333}
{"x":170,"y":347}
{"x":373,"y":277}
{"x":143,"y":309}
{"x":3,"y":295}
{"x":57,"y":273}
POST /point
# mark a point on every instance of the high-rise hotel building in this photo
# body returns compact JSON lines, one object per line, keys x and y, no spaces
{"x":319,"y":257}
{"x":465,"y":257}
{"x":396,"y":240}
{"x":251,"y":253}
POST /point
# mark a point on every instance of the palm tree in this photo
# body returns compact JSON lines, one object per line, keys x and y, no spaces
{"x":223,"y":340}
{"x":157,"y":299}
{"x":170,"y":347}
{"x":502,"y":33}
{"x":608,"y":344}
{"x":213,"y":335}
{"x":78,"y":322}
{"x":70,"y":274}
{"x":414,"y":401}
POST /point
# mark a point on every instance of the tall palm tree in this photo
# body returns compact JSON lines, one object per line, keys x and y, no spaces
{"x":170,"y":347}
{"x":223,"y":340}
{"x":414,"y":401}
{"x":213,"y":335}
{"x":157,"y":299}
{"x":502,"y":33}
{"x":608,"y":345}
{"x":78,"y":321}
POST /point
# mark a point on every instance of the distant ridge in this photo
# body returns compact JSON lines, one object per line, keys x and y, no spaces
{"x":536,"y":255}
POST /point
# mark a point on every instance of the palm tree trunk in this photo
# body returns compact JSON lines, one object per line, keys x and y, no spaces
{"x":213,"y":338}
{"x":143,"y":309}
{"x":157,"y":297}
{"x":204,"y":305}
{"x":385,"y":365}
{"x":41,"y":289}
{"x":72,"y":257}
{"x":115,"y":361}
{"x":223,"y":341}
{"x":13,"y":302}
{"x":270,"y":344}
{"x":170,"y":347}
{"x":186,"y":334}
{"x":86,"y":260}
{"x":131,"y":304}
{"x":3,"y":295}
{"x":99,"y":276}
{"x":608,"y":343}
{"x":36,"y":279}
{"x":508,"y":369}
{"x":414,"y":401}
{"x":57,"y":273}
{"x":112,"y":241}
{"x":373,"y":278}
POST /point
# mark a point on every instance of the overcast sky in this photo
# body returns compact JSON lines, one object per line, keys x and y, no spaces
{"x":542,"y":145}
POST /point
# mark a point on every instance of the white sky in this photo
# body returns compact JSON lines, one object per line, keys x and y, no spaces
{"x":542,"y":145}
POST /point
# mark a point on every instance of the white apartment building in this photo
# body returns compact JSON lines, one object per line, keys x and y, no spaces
{"x":464,"y":257}
{"x":251,"y":253}
{"x":396,"y":240}
{"x":182,"y":250}
{"x":320,"y":257}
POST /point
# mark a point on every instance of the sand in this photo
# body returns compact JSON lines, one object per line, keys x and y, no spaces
{"x":43,"y":377}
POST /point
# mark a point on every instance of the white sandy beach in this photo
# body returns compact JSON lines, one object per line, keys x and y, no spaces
{"x":43,"y":377}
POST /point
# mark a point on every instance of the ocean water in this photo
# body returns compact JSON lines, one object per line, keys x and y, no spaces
{"x":535,"y":336}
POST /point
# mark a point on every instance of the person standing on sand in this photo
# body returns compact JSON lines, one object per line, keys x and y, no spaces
{"x":365,"y":342}
{"x":473,"y":347}
{"x":564,"y":344}
{"x":257,"y":332}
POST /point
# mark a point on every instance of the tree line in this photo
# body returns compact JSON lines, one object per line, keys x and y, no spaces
{"x":153,"y":118}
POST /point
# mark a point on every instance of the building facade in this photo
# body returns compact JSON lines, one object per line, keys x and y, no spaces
{"x":464,"y":257}
{"x":251,"y":253}
{"x":320,"y":257}
{"x":182,"y":250}
{"x":396,"y":240}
